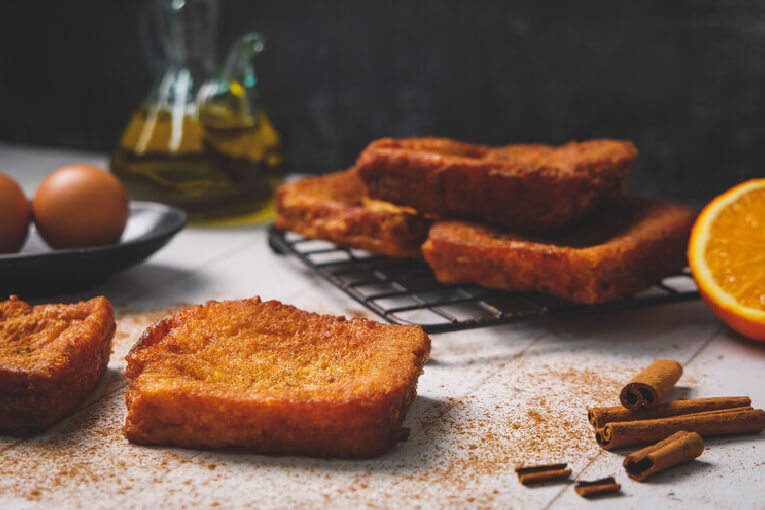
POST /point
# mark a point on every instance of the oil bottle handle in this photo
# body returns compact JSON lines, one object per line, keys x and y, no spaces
{"x":238,"y":79}
{"x":239,"y":63}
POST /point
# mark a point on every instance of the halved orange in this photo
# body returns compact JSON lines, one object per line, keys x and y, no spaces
{"x":727,"y":257}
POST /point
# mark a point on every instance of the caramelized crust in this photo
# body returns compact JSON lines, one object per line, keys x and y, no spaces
{"x":274,"y":379}
{"x":625,"y":247}
{"x":51,"y":357}
{"x":524,"y":188}
{"x":335,"y":208}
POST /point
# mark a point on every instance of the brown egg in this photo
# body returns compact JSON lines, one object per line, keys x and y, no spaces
{"x":80,"y":205}
{"x":15,"y":214}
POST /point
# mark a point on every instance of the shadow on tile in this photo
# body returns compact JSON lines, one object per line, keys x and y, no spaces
{"x":673,"y":475}
{"x":431,"y":435}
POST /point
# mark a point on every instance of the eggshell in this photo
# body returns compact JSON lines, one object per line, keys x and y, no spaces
{"x":79,"y":206}
{"x":15,"y":214}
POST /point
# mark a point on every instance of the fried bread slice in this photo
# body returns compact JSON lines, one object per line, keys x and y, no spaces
{"x":51,"y":357}
{"x":529,"y":188}
{"x":624,"y":247}
{"x":274,"y":379}
{"x":335,"y":208}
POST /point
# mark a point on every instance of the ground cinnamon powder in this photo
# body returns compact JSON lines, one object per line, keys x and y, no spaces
{"x":523,"y":412}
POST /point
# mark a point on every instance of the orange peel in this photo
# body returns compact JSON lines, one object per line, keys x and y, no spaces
{"x":726,"y":254}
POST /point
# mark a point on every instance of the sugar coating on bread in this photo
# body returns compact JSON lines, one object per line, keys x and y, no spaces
{"x":336,"y":208}
{"x":51,"y":357}
{"x":274,"y":379}
{"x":530,"y":188}
{"x":622,"y":248}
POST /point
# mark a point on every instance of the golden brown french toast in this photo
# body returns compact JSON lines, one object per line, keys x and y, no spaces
{"x":528,"y":188}
{"x":274,"y":379}
{"x":622,"y":248}
{"x":51,"y":357}
{"x":335,"y":208}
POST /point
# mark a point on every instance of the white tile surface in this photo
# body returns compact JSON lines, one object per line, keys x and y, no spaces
{"x":488,"y":400}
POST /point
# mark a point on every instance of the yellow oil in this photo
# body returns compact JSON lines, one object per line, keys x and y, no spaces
{"x":216,"y":166}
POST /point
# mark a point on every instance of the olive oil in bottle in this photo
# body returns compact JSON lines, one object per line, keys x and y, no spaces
{"x":201,"y":143}
{"x":225,"y":170}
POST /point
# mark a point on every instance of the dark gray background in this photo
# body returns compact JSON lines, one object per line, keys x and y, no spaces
{"x":684,"y":80}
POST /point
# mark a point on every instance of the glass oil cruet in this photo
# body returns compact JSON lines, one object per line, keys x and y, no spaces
{"x":200,"y":143}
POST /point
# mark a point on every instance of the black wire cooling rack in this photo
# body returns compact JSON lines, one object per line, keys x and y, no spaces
{"x":404,"y":291}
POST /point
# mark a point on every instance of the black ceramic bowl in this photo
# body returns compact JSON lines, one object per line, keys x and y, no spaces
{"x":38,"y":271}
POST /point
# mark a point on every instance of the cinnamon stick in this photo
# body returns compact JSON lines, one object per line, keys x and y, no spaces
{"x":599,"y":416}
{"x":544,"y":473}
{"x":680,"y":447}
{"x":650,"y":386}
{"x":602,"y":486}
{"x":721,"y":411}
{"x":711,"y":423}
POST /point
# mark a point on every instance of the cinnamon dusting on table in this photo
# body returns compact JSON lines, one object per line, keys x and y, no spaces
{"x":87,"y":448}
{"x":130,"y":325}
{"x":537,"y":429}
{"x":77,"y":450}
{"x":457,"y":442}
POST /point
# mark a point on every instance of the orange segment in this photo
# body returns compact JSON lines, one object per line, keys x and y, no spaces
{"x":727,"y":257}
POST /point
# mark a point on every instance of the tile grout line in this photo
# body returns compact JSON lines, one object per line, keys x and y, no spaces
{"x":137,"y":295}
{"x":213,"y":260}
{"x":578,"y":475}
{"x":59,"y":424}
{"x":693,"y":356}
{"x":80,"y":409}
{"x":705,"y":344}
{"x":515,"y":357}
{"x":56,"y":426}
{"x":118,"y":503}
{"x":196,"y":269}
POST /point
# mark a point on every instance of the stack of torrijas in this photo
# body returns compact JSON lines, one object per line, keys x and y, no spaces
{"x":678,"y":425}
{"x":526,"y":217}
